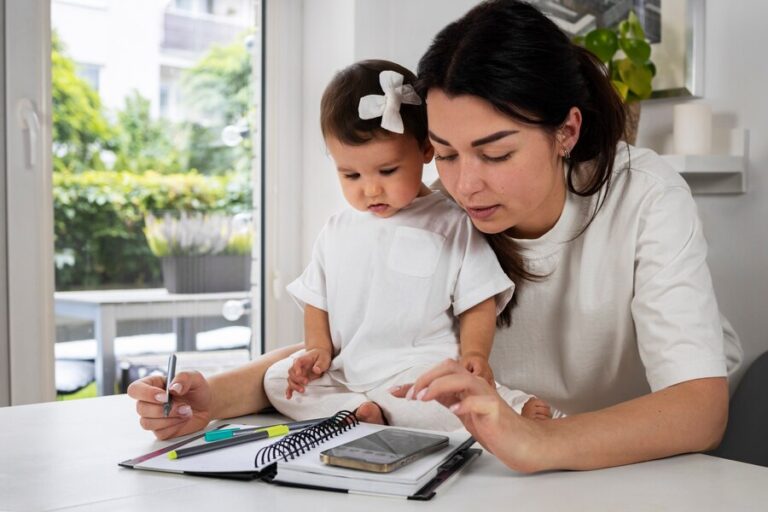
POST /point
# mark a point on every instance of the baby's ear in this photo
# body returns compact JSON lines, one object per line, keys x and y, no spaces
{"x":428,"y":151}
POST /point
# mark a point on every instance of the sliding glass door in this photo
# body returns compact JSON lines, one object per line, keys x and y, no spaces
{"x":27,"y":363}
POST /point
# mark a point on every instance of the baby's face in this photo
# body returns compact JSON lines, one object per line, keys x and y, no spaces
{"x":381,"y":176}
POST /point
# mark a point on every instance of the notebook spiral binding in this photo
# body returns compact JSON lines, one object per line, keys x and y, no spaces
{"x":302,"y":441}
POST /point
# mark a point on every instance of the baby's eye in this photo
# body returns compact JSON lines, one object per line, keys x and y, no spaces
{"x":445,"y":158}
{"x":351,"y":175}
{"x":502,"y":158}
{"x":387,"y":172}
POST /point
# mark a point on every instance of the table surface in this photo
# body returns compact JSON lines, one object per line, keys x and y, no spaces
{"x":64,"y":455}
{"x":142,"y":295}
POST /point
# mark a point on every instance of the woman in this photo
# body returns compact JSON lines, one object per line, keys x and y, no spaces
{"x":618,"y":324}
{"x":616,"y":321}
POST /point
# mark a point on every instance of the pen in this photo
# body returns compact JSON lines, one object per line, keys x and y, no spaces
{"x":170,"y":375}
{"x":274,"y":431}
{"x":226,"y":433}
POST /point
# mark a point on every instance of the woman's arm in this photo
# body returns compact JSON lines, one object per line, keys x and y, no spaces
{"x":241,"y":391}
{"x":686,"y":417}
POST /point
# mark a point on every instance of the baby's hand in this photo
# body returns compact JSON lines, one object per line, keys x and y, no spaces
{"x":309,"y":366}
{"x":477,"y":364}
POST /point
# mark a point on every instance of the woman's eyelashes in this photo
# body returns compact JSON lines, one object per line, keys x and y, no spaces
{"x":495,"y":159}
{"x":484,"y":157}
{"x":445,"y":158}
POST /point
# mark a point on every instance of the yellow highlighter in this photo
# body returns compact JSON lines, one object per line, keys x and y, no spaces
{"x":274,"y":431}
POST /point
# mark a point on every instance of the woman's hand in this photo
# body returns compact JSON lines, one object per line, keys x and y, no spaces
{"x":191,"y":404}
{"x":493,"y":423}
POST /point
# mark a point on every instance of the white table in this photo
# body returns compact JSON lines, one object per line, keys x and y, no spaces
{"x":64,"y":456}
{"x":106,"y":307}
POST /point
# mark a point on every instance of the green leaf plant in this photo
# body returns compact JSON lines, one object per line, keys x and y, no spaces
{"x":627,"y":56}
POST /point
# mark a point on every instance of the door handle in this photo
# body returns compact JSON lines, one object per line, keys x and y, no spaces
{"x":30,"y":131}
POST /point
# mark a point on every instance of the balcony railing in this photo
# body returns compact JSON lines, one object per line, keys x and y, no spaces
{"x":196,"y":33}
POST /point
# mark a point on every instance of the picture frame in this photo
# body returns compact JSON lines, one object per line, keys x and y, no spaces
{"x":675,"y":29}
{"x":679,"y":57}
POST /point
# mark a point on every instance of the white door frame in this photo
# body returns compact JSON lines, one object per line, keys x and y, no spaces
{"x":5,"y":363}
{"x":28,"y":215}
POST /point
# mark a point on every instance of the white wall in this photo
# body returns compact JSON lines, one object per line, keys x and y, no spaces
{"x":342,"y":31}
{"x":736,"y":226}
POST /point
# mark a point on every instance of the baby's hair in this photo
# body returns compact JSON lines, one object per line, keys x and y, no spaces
{"x":339,"y":116}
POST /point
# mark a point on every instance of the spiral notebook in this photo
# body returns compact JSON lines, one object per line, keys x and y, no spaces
{"x":294,"y":460}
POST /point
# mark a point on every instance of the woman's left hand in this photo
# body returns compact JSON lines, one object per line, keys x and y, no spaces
{"x":490,"y":420}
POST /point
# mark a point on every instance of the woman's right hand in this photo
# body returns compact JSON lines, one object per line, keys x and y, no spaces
{"x":191,"y":397}
{"x":515,"y":440}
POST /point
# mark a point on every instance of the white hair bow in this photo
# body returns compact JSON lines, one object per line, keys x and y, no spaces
{"x":388,"y":106}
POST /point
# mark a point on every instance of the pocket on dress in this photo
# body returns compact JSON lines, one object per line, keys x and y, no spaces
{"x":415,"y":252}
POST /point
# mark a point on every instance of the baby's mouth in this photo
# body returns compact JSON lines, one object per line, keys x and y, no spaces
{"x":378,"y":207}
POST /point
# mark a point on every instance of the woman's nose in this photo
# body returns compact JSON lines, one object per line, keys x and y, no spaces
{"x":469,"y":181}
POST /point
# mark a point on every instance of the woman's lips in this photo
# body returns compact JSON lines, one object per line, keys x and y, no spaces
{"x":481,"y":212}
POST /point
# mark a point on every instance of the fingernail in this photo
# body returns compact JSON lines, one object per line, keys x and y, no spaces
{"x":160,"y":397}
{"x":185,"y":410}
{"x":176,"y":387}
{"x":454,"y":408}
{"x":421,"y":394}
{"x":393,"y":389}
{"x":409,"y":394}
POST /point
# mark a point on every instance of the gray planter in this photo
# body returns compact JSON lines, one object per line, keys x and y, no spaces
{"x":209,"y":273}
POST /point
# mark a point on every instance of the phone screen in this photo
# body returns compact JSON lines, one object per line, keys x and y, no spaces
{"x":383,"y":451}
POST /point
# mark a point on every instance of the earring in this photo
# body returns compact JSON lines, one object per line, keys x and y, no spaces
{"x":566,"y":153}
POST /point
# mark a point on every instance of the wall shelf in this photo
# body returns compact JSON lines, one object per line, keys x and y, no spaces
{"x":716,"y":174}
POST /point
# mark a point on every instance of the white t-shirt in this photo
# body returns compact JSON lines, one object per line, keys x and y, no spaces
{"x":394,"y":287}
{"x":626,"y":307}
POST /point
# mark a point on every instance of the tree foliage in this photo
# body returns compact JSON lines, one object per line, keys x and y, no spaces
{"x":144,"y":143}
{"x":217,"y":92}
{"x":80,"y":129}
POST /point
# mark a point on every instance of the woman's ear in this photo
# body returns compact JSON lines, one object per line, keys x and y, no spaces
{"x":428,"y":151}
{"x":568,"y":133}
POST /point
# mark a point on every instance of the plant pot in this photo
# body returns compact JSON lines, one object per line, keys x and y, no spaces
{"x":632,"y":122}
{"x":208,"y":273}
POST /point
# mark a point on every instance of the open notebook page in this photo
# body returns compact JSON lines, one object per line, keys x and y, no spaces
{"x":238,"y":458}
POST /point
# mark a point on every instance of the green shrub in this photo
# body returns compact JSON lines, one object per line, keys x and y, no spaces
{"x":99,"y":221}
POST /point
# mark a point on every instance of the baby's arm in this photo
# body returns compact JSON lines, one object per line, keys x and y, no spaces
{"x":477,"y":326}
{"x":319,"y":351}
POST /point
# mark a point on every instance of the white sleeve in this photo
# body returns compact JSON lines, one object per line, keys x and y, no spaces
{"x":676,"y":317}
{"x":309,"y":287}
{"x":480,"y":276}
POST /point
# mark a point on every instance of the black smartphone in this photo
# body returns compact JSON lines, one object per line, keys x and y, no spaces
{"x":383,"y":451}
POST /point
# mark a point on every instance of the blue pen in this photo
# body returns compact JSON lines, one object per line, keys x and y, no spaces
{"x":226,"y":433}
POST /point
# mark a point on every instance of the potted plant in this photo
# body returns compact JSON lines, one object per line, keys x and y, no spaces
{"x":201,"y":252}
{"x":627,"y":57}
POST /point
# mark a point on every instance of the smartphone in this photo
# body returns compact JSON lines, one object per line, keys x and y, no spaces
{"x":383,"y":451}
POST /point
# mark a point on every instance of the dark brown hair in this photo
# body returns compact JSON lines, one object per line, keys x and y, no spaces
{"x":511,"y":55}
{"x":338,"y":109}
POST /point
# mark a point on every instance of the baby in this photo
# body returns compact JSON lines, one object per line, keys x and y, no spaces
{"x":398,"y":282}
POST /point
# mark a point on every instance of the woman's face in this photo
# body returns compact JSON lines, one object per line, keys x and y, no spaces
{"x":507,"y":175}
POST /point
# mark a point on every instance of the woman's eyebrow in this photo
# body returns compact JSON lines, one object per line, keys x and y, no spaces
{"x":493,"y":137}
{"x":479,"y":142}
{"x":438,"y":139}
